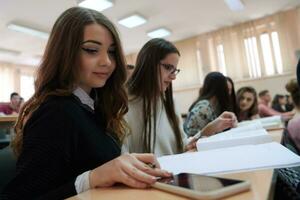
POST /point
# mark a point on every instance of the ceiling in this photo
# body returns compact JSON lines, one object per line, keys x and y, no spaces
{"x":185,"y":18}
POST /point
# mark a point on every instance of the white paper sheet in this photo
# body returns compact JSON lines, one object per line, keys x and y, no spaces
{"x":233,"y":159}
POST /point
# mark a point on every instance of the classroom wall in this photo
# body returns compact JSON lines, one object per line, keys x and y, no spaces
{"x":275,"y":84}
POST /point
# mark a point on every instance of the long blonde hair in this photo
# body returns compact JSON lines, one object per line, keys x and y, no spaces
{"x":59,"y":70}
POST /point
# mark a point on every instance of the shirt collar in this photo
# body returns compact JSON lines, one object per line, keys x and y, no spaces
{"x":84,"y":97}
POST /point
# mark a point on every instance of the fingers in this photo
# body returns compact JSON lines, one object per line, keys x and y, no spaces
{"x":154,"y":171}
{"x":147,"y":158}
{"x":229,"y":115}
{"x":137,"y":174}
{"x":132,"y":182}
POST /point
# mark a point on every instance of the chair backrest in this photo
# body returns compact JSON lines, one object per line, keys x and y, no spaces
{"x":7,"y":166}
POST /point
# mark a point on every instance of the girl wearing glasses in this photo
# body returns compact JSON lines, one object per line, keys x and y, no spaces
{"x":153,"y":121}
{"x":155,"y":125}
{"x":69,"y":134}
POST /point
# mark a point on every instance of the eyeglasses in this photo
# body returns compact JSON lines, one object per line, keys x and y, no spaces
{"x":170,"y":68}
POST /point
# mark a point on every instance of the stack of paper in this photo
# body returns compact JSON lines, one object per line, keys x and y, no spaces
{"x":248,"y":134}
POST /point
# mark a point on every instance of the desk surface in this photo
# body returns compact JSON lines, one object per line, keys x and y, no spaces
{"x":260,"y":186}
{"x":8,"y":118}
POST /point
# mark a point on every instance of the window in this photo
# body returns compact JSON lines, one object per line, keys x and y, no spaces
{"x":27,"y":86}
{"x":6,"y":83}
{"x":277,"y":52}
{"x":252,"y":57}
{"x":267,"y":53}
{"x":221,"y":59}
{"x":271,"y":53}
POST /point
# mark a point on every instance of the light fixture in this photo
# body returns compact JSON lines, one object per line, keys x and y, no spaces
{"x":27,"y":30}
{"x":235,"y":5}
{"x":159,"y":33}
{"x":132,"y":21}
{"x":98,"y":5}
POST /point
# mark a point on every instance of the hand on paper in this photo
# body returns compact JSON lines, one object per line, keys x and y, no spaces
{"x":130,"y":169}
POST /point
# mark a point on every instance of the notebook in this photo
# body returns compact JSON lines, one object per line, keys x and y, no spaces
{"x":251,"y":133}
{"x":268,"y":123}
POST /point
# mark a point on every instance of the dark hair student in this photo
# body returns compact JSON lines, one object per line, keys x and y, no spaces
{"x":69,"y":133}
{"x":214,"y":99}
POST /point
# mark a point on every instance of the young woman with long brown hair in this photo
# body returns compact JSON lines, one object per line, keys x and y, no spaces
{"x":155,"y":124}
{"x":68,"y":135}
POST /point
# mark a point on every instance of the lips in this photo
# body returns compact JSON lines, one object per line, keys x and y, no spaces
{"x":101,"y":74}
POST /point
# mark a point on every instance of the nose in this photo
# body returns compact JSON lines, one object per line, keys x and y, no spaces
{"x":104,"y":59}
{"x":172,"y":76}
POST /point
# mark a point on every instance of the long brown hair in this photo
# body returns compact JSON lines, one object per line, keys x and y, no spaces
{"x":253,"y":110}
{"x":215,"y":85}
{"x":59,"y":72}
{"x":145,"y":84}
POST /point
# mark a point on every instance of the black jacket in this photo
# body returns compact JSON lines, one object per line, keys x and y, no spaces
{"x":62,"y":139}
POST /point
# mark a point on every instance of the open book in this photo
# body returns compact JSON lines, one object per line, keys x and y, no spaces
{"x":268,"y":123}
{"x":252,"y":133}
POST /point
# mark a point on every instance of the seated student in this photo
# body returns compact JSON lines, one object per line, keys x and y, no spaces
{"x":265,"y":111}
{"x":293,"y":125}
{"x":279,"y":103}
{"x":155,"y":124}
{"x":13,"y":106}
{"x":213,"y":100}
{"x":68,"y":135}
{"x":247,"y":104}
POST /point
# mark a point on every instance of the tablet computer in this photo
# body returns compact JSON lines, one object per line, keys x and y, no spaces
{"x":201,"y":187}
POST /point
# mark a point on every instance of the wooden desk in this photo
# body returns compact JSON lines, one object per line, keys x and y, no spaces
{"x":261,"y":181}
{"x":9,"y":118}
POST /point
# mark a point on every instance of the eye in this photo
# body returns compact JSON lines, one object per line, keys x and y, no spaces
{"x":90,"y":50}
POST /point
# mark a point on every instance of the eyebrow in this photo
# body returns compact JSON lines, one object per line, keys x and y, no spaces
{"x":96,"y":42}
{"x":92,"y":41}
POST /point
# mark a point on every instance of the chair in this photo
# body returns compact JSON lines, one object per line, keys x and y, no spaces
{"x":288,"y":179}
{"x":7,"y":166}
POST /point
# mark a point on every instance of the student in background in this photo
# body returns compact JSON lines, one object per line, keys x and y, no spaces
{"x":294,"y":124}
{"x":293,"y":88}
{"x":231,"y":92}
{"x":265,"y":111}
{"x":68,"y":135}
{"x":154,"y":123}
{"x":247,"y":104}
{"x":279,"y":103}
{"x":13,"y":106}
{"x":214,"y":99}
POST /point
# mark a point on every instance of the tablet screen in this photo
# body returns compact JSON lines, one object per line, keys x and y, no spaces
{"x":199,"y":182}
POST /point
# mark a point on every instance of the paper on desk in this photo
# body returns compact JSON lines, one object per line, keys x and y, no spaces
{"x":233,"y":159}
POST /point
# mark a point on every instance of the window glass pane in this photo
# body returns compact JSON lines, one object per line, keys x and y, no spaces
{"x":221,"y":59}
{"x":267,"y":53}
{"x":252,"y":57}
{"x":277,"y":52}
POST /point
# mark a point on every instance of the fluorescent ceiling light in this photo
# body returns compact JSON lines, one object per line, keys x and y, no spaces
{"x":159,"y":33}
{"x":27,"y":30}
{"x":132,"y":21}
{"x":98,"y":5}
{"x":235,"y":5}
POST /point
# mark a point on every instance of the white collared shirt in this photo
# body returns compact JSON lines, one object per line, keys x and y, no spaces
{"x":82,"y":182}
